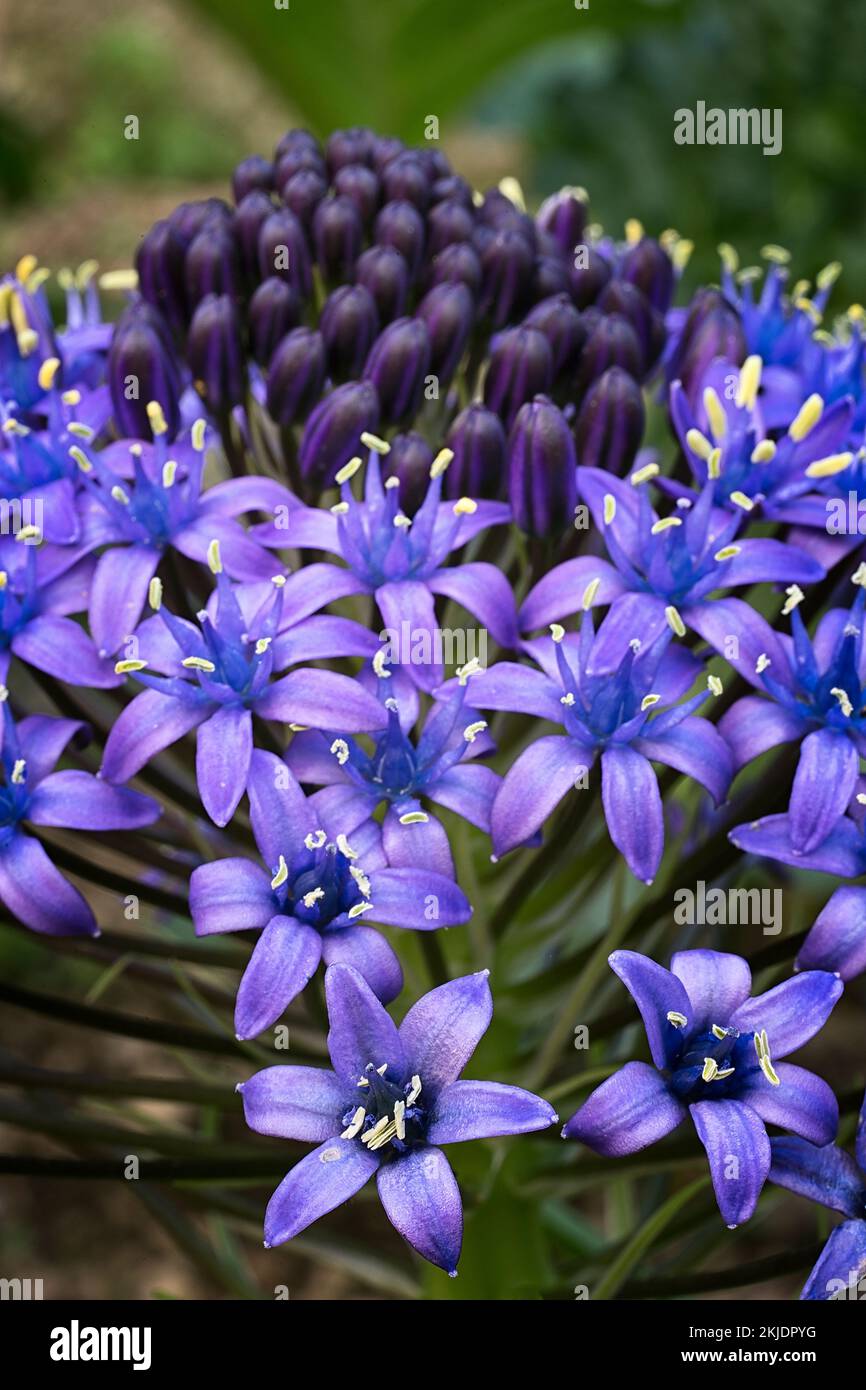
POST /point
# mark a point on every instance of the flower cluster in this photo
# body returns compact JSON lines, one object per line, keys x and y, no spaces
{"x":360,"y":398}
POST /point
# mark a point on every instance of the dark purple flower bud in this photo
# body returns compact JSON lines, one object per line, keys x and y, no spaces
{"x":256,"y":172}
{"x":457,"y":264}
{"x":332,"y":435}
{"x":354,"y":146}
{"x":386,"y":148}
{"x":507,"y":263}
{"x":587,"y":277}
{"x":275,"y":309}
{"x":142,"y":368}
{"x":401,"y":225}
{"x":161,"y":278}
{"x":563,"y":328}
{"x":213,"y":264}
{"x":302,"y":194}
{"x":712,"y":329}
{"x":338,"y":235}
{"x":477,"y":439}
{"x":296,"y":375}
{"x":452,"y":188}
{"x":612,"y":342}
{"x":409,"y":460}
{"x":610,"y":424}
{"x":283,"y":251}
{"x":192,"y":218}
{"x":563,"y":216}
{"x":449,"y":313}
{"x":349,"y":323}
{"x":498,"y":212}
{"x":397,"y":365}
{"x":405,"y":179}
{"x":520,"y":367}
{"x":542,"y":470}
{"x":440,"y":165}
{"x":621,"y":297}
{"x":301,"y":161}
{"x":383,"y":272}
{"x":549,"y":277}
{"x":448,"y":223}
{"x":215,"y":353}
{"x":295,"y":140}
{"x":648,"y":265}
{"x":253,"y":212}
{"x":361,"y":186}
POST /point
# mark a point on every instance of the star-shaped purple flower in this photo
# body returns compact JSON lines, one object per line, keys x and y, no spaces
{"x":713,"y":1048}
{"x":31,"y":888}
{"x":393,"y":1097}
{"x":310,"y":898}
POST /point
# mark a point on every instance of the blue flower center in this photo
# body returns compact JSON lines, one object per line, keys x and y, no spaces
{"x":716,"y":1064}
{"x":322,"y":884}
{"x":389,"y":1116}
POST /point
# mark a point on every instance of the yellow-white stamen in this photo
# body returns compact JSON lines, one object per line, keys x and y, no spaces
{"x":665,"y":524}
{"x":649,"y":700}
{"x":763,"y":452}
{"x":213,"y":557}
{"x":675,"y":622}
{"x":806,"y":418}
{"x":372,"y":441}
{"x":471,"y":668}
{"x":282,"y":873}
{"x":414,"y":818}
{"x":344,"y":847}
{"x":715,"y":413}
{"x":727,"y":552}
{"x":698,"y":443}
{"x":315,"y":895}
{"x":169,"y":472}
{"x":471,"y":732}
{"x":47,"y":372}
{"x":315,"y":840}
{"x":829,"y":466}
{"x":609,"y":508}
{"x":676,"y":1018}
{"x":465,"y":506}
{"x":349,"y":470}
{"x":740,"y":500}
{"x":126,"y":668}
{"x":154,"y":593}
{"x":589,"y":594}
{"x":844,"y":700}
{"x":198,"y":663}
{"x":355,"y":1124}
{"x":749,"y":382}
{"x":762,"y":663}
{"x":557,"y":631}
{"x":441,"y":462}
{"x":710,"y":1070}
{"x":156,"y":418}
{"x":340,"y":750}
{"x":795,"y":597}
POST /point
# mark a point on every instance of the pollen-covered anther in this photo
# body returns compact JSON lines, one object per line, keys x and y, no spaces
{"x":698,"y":443}
{"x":415,"y":1091}
{"x":127,"y":668}
{"x":589,"y":594}
{"x":391,"y":482}
{"x":315,"y":895}
{"x":339,"y":509}
{"x":358,"y":910}
{"x":749,"y":382}
{"x":762,"y":663}
{"x":729,"y":258}
{"x":795,"y":596}
{"x":675,"y":622}
{"x":344,"y":847}
{"x":557,"y":631}
{"x":414,"y":818}
{"x":716,"y":416}
{"x":711,"y":1068}
{"x":169,"y":472}
{"x":677,"y":1019}
{"x":779,"y":255}
{"x":844,"y":700}
{"x":471,"y":732}
{"x":372,"y":441}
{"x":465,"y":506}
{"x":826,"y":278}
{"x":643,"y":475}
{"x":27,"y":534}
{"x":727,"y":552}
{"x":831,"y":465}
{"x":649,"y":700}
{"x":120,"y":495}
{"x":156,"y":418}
{"x":665,"y":524}
{"x":198,"y":663}
{"x":282,"y":873}
{"x":567,"y":699}
{"x":262,"y":645}
{"x":471,"y":668}
{"x":441,"y":462}
{"x":380,"y":664}
{"x":762,"y":1048}
{"x":214,"y":559}
{"x":402,"y":521}
{"x":859,"y":575}
{"x":361,"y":879}
{"x":154,"y":593}
{"x":197,"y":434}
{"x":315,"y":840}
{"x":763,"y":452}
{"x":609,"y":508}
{"x":714,"y":464}
{"x":340,"y":750}
{"x":806,"y":418}
{"x":47,"y":372}
{"x":278,"y":580}
{"x":349,"y":470}
{"x":399,"y":1118}
{"x":80,"y":431}
{"x":714,"y":685}
{"x":355,"y":1124}
{"x":719,"y":1032}
{"x":740,"y":500}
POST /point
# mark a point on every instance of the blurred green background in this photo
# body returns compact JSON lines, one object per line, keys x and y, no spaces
{"x":553,"y":92}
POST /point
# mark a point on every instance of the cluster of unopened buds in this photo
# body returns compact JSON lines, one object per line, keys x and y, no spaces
{"x":360,"y":393}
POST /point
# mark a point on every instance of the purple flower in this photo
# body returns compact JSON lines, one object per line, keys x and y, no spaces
{"x":404,"y":774}
{"x":664,"y":571}
{"x":713,"y":1047}
{"x":309,"y":899}
{"x":39,"y":588}
{"x":31,"y":888}
{"x":613,"y":715}
{"x":217,"y":675}
{"x":392,"y":1098}
{"x":817,"y":691}
{"x":143,"y":499}
{"x":829,"y":1176}
{"x":837,"y":938}
{"x":402,"y":560}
